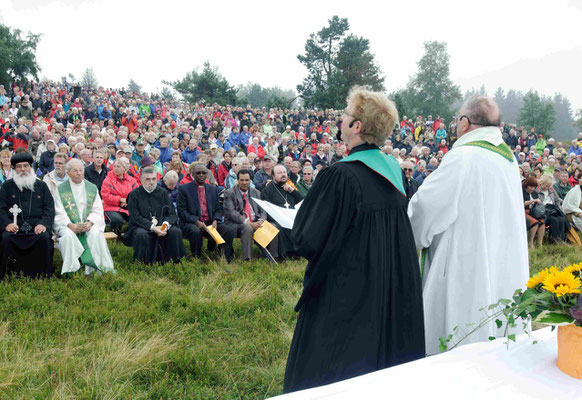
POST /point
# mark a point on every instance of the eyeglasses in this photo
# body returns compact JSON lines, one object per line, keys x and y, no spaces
{"x":200,"y":173}
{"x":407,"y":169}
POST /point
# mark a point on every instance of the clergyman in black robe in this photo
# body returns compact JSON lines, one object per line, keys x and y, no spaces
{"x":149,"y":208}
{"x":361,"y":307}
{"x":26,"y":247}
{"x":280,"y":193}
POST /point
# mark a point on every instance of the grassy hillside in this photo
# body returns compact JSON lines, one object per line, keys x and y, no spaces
{"x":191,"y":330}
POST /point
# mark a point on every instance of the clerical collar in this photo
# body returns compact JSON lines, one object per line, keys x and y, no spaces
{"x":75,"y":184}
{"x":363,"y":147}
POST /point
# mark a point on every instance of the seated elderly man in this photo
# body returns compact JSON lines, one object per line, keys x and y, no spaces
{"x":79,"y":223}
{"x":152,"y":229}
{"x":27,"y":213}
{"x":410,"y":184}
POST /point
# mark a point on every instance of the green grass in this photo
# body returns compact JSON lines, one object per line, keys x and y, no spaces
{"x":189,"y":330}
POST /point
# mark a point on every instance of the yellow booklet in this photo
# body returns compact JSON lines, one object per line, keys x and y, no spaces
{"x":265,"y":234}
{"x":214,"y":234}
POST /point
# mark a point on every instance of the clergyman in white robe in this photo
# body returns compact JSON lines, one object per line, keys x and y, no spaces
{"x":571,"y":206}
{"x":469,"y":217}
{"x":67,"y":241}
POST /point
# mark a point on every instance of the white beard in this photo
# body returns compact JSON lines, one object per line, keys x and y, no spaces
{"x":25,"y":182}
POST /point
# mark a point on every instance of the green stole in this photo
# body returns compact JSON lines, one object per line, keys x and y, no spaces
{"x":503,"y":149}
{"x":68,"y":200}
{"x":386,"y":166}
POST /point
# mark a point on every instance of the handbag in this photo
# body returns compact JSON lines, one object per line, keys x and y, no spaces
{"x":538,"y":211}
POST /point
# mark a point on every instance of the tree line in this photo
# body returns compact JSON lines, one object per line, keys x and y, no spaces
{"x":335,"y":60}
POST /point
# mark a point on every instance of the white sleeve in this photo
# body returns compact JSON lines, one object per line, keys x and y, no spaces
{"x":96,"y":213}
{"x":61,"y":217}
{"x":434,"y":207}
{"x":571,"y":202}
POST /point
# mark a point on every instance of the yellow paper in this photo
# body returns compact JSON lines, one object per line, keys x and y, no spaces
{"x":214,"y":234}
{"x":265,"y":234}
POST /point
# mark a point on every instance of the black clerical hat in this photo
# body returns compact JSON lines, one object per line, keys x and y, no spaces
{"x":21,"y":157}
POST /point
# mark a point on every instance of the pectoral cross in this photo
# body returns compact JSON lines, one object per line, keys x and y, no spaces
{"x":15,"y":210}
{"x":286,"y":204}
{"x":154,"y":220}
{"x":69,"y":206}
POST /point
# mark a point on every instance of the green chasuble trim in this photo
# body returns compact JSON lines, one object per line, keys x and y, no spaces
{"x":503,"y":149}
{"x":68,"y":200}
{"x":387,"y":166}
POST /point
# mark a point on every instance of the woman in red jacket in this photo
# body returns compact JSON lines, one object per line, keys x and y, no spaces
{"x":114,"y":191}
{"x":225,"y":166}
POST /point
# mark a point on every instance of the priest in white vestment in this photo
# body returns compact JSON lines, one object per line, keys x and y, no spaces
{"x":469,"y":218}
{"x":79,"y":224}
{"x":571,"y":206}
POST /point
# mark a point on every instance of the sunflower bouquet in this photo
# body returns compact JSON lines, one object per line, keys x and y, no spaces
{"x":557,"y":295}
{"x":553,"y":297}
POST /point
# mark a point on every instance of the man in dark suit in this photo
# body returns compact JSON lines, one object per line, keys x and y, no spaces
{"x":410,"y":185}
{"x":243,"y":215}
{"x":198,"y":207}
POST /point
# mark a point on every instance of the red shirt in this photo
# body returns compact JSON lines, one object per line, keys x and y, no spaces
{"x":202,"y":200}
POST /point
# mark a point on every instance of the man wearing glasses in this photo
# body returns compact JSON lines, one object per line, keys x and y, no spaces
{"x":198,"y":209}
{"x":410,"y":185}
{"x":468,"y":219}
{"x":361,"y":305}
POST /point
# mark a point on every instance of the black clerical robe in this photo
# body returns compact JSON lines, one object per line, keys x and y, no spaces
{"x":274,"y":193}
{"x":25,"y":252}
{"x":361,"y":308}
{"x":147,"y":246}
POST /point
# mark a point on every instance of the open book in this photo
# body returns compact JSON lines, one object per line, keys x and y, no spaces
{"x":283,"y":216}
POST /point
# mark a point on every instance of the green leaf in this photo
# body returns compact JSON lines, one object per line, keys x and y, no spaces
{"x":492,"y":338}
{"x":498,"y":323}
{"x":554,"y":318}
{"x":505,"y":302}
{"x":511,"y":337}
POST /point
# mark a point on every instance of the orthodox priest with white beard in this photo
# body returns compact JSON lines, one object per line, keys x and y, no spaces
{"x":79,"y":223}
{"x":27,"y":213}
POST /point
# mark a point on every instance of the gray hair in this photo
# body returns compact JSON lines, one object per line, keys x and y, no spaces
{"x":155,"y":151}
{"x":482,"y":110}
{"x":171,"y":176}
{"x":147,"y":171}
{"x":72,"y":163}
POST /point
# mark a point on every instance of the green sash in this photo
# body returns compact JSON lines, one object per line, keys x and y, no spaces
{"x":68,"y":200}
{"x":387,"y":166}
{"x":503,"y":149}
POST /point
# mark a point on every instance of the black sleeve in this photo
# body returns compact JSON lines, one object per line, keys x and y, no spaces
{"x":297,"y":196}
{"x":5,"y":220}
{"x":48,"y":211}
{"x":135,"y":218}
{"x":322,"y":222}
{"x":218,"y":212}
{"x":182,"y":205}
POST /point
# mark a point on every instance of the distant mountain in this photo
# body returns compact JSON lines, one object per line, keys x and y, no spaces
{"x":552,"y":73}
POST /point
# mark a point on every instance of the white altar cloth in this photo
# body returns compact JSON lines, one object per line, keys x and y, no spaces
{"x":476,"y":371}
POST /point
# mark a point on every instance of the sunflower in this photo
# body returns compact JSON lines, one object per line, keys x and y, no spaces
{"x":538,"y":279}
{"x":562,"y":283}
{"x":574,"y":269}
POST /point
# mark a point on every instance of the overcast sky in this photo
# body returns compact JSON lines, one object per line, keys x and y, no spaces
{"x":519,"y":44}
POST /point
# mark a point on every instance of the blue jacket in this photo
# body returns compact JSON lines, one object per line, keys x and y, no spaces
{"x":577,"y":150}
{"x":189,"y":205}
{"x":226,"y":145}
{"x":234,"y":139}
{"x":165,"y":154}
{"x":189,"y":156}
